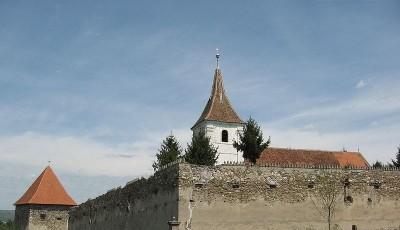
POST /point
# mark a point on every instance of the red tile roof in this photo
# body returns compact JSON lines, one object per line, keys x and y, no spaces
{"x":46,"y":189}
{"x":285,"y":156}
{"x":218,"y":107}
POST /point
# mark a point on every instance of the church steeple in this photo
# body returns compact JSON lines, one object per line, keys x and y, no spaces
{"x":219,"y":121}
{"x":218,"y":107}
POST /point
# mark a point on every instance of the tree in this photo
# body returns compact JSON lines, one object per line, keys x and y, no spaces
{"x":326,"y":193}
{"x":200,"y":151}
{"x":169,"y":151}
{"x":251,"y":141}
{"x":396,"y":163}
{"x":377,"y":164}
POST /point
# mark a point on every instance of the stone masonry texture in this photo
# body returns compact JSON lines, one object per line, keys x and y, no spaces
{"x":141,"y":205}
{"x":41,"y":217}
{"x":238,"y":197}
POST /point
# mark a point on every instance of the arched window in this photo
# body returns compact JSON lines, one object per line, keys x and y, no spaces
{"x":224,"y":135}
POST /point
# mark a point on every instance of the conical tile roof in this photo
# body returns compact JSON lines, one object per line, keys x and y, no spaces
{"x":218,"y":107}
{"x":47,"y":190}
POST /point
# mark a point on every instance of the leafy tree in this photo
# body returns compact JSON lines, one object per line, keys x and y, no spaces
{"x":325,"y":196}
{"x":169,"y":151}
{"x":377,"y":164}
{"x":201,"y":151}
{"x":251,"y":141}
{"x":396,"y":163}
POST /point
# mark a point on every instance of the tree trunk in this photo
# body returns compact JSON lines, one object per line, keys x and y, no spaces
{"x":329,"y":219}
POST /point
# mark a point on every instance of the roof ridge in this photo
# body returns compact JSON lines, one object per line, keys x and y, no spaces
{"x":212,"y":97}
{"x":227,"y":98}
{"x":314,"y":150}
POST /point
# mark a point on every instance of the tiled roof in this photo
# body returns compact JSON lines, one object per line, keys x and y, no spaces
{"x":351,"y":158}
{"x":218,"y":107}
{"x":286,"y":156}
{"x":46,"y":189}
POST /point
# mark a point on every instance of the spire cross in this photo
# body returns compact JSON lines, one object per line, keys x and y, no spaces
{"x":217,"y":56}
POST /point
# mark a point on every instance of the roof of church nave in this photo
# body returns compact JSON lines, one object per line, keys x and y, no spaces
{"x":46,"y":190}
{"x":218,"y":107}
{"x":286,"y":156}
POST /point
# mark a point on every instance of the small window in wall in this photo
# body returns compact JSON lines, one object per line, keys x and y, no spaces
{"x":224,"y":135}
{"x":42,"y":216}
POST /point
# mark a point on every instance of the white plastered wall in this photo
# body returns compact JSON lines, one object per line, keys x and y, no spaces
{"x":226,"y":151}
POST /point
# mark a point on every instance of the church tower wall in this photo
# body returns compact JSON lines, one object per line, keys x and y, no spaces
{"x":222,"y":135}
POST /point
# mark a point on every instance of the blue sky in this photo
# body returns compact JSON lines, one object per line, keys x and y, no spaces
{"x":94,"y":86}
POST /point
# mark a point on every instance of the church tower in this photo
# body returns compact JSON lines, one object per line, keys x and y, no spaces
{"x":220,"y":122}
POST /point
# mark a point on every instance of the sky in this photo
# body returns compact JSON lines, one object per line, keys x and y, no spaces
{"x":95,"y":86}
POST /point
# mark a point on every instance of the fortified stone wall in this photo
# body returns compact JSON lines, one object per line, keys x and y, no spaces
{"x":143,"y":204}
{"x":41,"y":217}
{"x":238,"y":197}
{"x":244,"y":198}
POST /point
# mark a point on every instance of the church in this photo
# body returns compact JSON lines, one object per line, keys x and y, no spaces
{"x":222,"y":124}
{"x":280,"y":194}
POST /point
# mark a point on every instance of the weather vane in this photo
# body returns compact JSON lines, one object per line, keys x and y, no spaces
{"x":217,"y":56}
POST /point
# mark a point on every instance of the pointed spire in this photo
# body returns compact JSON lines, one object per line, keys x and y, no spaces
{"x":46,"y":189}
{"x":218,"y":107}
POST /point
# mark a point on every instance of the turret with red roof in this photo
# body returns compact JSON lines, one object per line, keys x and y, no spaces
{"x":45,"y":205}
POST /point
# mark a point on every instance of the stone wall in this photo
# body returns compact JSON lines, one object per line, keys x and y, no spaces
{"x":240,"y":197}
{"x":141,"y":205}
{"x":41,"y":217}
{"x":246,"y":198}
{"x":21,"y":217}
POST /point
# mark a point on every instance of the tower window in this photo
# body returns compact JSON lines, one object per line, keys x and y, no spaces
{"x":224,"y":135}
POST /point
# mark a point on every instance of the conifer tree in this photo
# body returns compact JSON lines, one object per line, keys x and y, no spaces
{"x":377,"y":164}
{"x":396,"y":163}
{"x":251,"y":141}
{"x":169,"y":151}
{"x":201,"y":151}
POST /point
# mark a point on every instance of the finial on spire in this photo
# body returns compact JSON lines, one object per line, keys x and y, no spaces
{"x":49,"y":163}
{"x":217,"y":56}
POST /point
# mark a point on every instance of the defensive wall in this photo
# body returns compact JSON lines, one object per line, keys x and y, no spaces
{"x":239,"y":197}
{"x":141,"y":204}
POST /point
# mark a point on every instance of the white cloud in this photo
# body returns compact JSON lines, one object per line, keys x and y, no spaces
{"x":375,"y":102}
{"x":81,"y":155}
{"x":361,"y":84}
{"x":377,"y":143}
{"x":363,"y":121}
